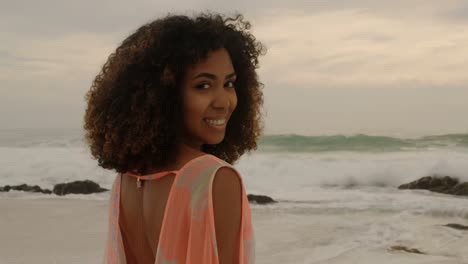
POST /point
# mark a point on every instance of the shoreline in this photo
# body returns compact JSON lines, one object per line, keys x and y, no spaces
{"x":57,"y":230}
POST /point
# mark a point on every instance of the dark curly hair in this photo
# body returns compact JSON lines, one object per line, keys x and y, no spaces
{"x":134,"y":101}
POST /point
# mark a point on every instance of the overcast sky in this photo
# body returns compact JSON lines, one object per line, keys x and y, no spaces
{"x":332,"y":67}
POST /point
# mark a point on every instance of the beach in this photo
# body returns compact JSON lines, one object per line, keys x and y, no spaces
{"x":337,"y":205}
{"x":52,"y":230}
{"x":58,"y":230}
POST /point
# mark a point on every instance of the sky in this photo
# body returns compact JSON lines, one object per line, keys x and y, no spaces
{"x":395,"y":68}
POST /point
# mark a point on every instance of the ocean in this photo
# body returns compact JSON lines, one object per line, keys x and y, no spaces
{"x":338,"y":200}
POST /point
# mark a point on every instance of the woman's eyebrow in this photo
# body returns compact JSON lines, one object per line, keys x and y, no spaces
{"x":206,"y":75}
{"x":212,"y":76}
{"x":231,"y":75}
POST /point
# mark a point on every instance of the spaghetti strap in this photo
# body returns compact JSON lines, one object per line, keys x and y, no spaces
{"x":158,"y":175}
{"x":153,"y":176}
{"x":187,"y":233}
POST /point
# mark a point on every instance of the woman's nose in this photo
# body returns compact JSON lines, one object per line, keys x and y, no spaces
{"x":222,"y":98}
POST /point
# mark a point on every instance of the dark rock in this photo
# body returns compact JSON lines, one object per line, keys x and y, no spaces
{"x":447,"y":180}
{"x":260,"y":199}
{"x":24,"y":188}
{"x":6,"y":188}
{"x":438,"y":184}
{"x":406,"y":249}
{"x":78,"y":187}
{"x":461,"y":189}
{"x":29,"y":188}
{"x":457,"y":226}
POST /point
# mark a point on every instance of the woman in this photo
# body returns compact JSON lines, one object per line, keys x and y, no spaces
{"x":172,"y":108}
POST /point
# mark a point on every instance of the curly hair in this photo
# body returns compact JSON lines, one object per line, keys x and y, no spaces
{"x":135,"y":98}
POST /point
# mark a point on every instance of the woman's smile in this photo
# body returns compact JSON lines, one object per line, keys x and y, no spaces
{"x":219,"y":124}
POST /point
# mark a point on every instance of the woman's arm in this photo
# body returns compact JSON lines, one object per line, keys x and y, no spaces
{"x":227,"y":203}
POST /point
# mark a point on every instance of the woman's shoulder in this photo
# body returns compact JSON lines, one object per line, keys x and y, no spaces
{"x":222,"y":169}
{"x":206,"y":167}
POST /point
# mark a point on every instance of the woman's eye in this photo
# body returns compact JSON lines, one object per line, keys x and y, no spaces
{"x":229,"y":84}
{"x":203,"y":86}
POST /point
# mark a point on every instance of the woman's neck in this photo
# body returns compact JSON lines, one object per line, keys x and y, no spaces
{"x":186,"y":151}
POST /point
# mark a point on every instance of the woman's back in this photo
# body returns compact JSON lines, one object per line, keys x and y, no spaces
{"x":142,"y":211}
{"x":187,"y":229}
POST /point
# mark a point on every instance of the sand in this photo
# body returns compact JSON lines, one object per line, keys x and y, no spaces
{"x":65,"y":230}
{"x":52,"y":230}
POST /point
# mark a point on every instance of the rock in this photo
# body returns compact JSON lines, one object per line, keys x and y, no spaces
{"x":447,"y":184}
{"x":6,"y":188}
{"x":461,"y":189}
{"x":28,"y":188}
{"x":25,"y":188}
{"x":78,"y":187}
{"x":260,"y":199}
{"x":457,"y":226}
{"x":430,"y":182}
{"x":406,"y":249}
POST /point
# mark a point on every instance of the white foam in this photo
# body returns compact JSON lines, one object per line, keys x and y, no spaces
{"x":50,"y":165}
{"x":338,"y":207}
{"x":295,"y":176}
{"x":353,"y":226}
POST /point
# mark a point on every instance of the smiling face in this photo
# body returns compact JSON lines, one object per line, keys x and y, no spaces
{"x":208,"y":99}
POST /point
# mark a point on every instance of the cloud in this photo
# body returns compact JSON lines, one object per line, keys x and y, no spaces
{"x":457,"y":12}
{"x":75,"y":53}
{"x":52,"y":49}
{"x":354,"y":47}
{"x":369,"y":37}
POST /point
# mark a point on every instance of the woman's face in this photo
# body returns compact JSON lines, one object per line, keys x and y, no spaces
{"x":208,"y":99}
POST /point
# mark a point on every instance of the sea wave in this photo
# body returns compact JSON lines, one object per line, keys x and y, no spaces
{"x":73,"y":138}
{"x":360,"y":142}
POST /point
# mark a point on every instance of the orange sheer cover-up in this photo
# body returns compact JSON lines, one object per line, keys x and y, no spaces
{"x":188,"y":229}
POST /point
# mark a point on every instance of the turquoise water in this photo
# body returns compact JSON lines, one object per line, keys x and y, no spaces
{"x":365,"y":143}
{"x":269,"y":143}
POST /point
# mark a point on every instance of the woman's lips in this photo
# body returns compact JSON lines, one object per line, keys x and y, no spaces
{"x":218,"y":124}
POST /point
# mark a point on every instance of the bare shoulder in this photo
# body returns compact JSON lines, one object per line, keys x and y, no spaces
{"x":227,"y":206}
{"x":227,"y":191}
{"x":227,"y":179}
